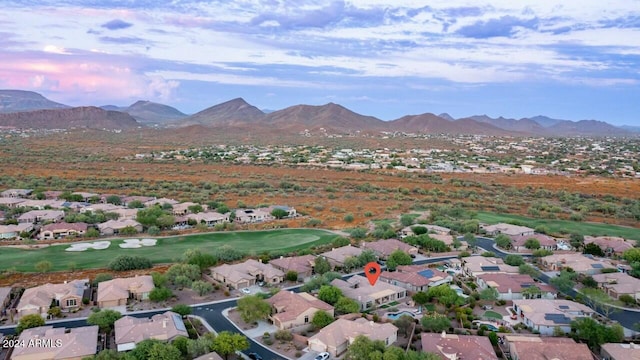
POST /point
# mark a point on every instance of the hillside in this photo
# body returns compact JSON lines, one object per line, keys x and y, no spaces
{"x":431,"y":124}
{"x":229,"y":113}
{"x":80,"y":117}
{"x":331,"y":117}
{"x":19,"y":100}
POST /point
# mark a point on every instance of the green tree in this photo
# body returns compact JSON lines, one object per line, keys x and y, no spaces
{"x":366,"y":256}
{"x":340,"y":242}
{"x":101,"y":277}
{"x":489,"y":294}
{"x":404,"y":323}
{"x":398,"y":258}
{"x":159,"y":279}
{"x":104,"y":319}
{"x":541,"y":253}
{"x":419,"y":230}
{"x":113,"y":199}
{"x":160,"y":294}
{"x":576,"y":240}
{"x":227,"y":343}
{"x":329,"y":294}
{"x":126,"y":262}
{"x":564,"y":281}
{"x":321,"y":265}
{"x":590,"y":282}
{"x":128,"y":230}
{"x":201,"y":287}
{"x":181,"y":343}
{"x":92,"y":233}
{"x":407,"y":220}
{"x":350,"y":263}
{"x":593,"y":249}
{"x":514,"y":260}
{"x":43,"y":266}
{"x":279,"y":213}
{"x":421,"y":298}
{"x":108,"y":354}
{"x":528,"y":270}
{"x":164,"y":352}
{"x":532,"y":244}
{"x":358,"y":233}
{"x":321,"y":319}
{"x":435,"y":322}
{"x":142,"y":351}
{"x":362,"y":348}
{"x":189,"y":271}
{"x":199,"y":347}
{"x":253,"y":308}
{"x":346,"y":306}
{"x":29,"y":321}
{"x":471,"y":240}
{"x":503,"y":241}
{"x":197,"y":257}
{"x":595,"y":334}
{"x":182,"y":309}
{"x":627,"y":299}
{"x":291,"y":276}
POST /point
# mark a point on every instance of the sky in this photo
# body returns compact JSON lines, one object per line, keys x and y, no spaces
{"x":570,"y":59}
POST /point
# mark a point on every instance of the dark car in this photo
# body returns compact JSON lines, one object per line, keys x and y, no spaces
{"x":254,"y":356}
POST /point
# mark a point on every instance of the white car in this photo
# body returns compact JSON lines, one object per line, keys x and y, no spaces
{"x":322,"y":356}
{"x":246,"y":291}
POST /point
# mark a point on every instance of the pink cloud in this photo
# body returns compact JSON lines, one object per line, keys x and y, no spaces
{"x":94,"y":78}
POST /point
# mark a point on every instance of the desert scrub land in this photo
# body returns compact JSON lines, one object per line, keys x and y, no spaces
{"x":167,"y":250}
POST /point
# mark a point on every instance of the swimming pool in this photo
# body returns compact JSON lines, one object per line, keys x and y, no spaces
{"x":489,"y":326}
{"x":396,"y":316}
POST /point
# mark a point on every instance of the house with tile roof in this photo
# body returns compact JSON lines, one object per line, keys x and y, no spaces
{"x":527,"y":347}
{"x":336,"y":337}
{"x":478,"y":265}
{"x":245,"y":274}
{"x":616,"y":284}
{"x":507,"y":229}
{"x":546,"y":242}
{"x":14,"y":231}
{"x":384,"y":248}
{"x":62,"y":230}
{"x":130,"y":330}
{"x":47,"y":342}
{"x":416,"y":278}
{"x":610,"y":245}
{"x":39,"y":216}
{"x":369,"y":296}
{"x":515,"y":286}
{"x":303,"y":265}
{"x":450,"y":346}
{"x":117,"y":292}
{"x":113,"y":227}
{"x":545,"y":315}
{"x":290,"y":309}
{"x":37,"y":300}
{"x":337,"y":256}
{"x":580,"y":263}
{"x":613,"y":351}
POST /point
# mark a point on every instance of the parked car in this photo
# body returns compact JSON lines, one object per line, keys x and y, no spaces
{"x":322,"y":356}
{"x":246,"y":290}
{"x":254,"y":356}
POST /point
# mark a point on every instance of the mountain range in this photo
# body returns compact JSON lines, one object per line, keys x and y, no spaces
{"x":31,"y":110}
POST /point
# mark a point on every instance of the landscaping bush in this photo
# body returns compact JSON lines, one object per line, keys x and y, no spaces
{"x":126,"y":262}
{"x":283,"y":335}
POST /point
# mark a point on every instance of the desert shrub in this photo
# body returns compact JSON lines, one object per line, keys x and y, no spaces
{"x":126,"y":262}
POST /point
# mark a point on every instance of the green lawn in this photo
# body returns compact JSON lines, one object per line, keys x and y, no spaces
{"x":563,"y":226}
{"x":167,"y":250}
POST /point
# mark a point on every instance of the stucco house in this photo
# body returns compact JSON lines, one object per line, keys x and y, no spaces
{"x":336,"y":337}
{"x":57,"y":343}
{"x":40,"y":216}
{"x":245,"y":274}
{"x":451,"y":346}
{"x":369,"y":296}
{"x":303,"y":265}
{"x":337,"y":256}
{"x":290,"y":310}
{"x":507,"y":229}
{"x":415,"y":278}
{"x":117,"y":292}
{"x":113,"y":227}
{"x":616,"y":284}
{"x":130,"y":330}
{"x":545,"y":315}
{"x":37,"y":300}
{"x":384,"y":248}
{"x":62,"y":230}
{"x":516,"y":286}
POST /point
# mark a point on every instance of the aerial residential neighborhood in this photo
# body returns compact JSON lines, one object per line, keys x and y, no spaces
{"x":494,"y":286}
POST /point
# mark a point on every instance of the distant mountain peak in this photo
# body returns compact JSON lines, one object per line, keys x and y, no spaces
{"x":446,"y":116}
{"x":21,"y":100}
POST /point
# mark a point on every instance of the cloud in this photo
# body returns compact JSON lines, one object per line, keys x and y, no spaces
{"x":116,"y":24}
{"x":123,"y":40}
{"x":503,"y":26}
{"x":55,"y":50}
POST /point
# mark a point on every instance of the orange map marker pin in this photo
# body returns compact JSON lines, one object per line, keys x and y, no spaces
{"x":372,"y":272}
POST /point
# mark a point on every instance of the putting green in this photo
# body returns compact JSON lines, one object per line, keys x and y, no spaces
{"x":167,"y":250}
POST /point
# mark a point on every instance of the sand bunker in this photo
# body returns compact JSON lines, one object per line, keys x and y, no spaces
{"x":98,"y":245}
{"x":137,"y":243}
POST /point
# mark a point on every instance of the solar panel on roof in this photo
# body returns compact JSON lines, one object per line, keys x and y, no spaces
{"x":564,"y":307}
{"x":597,"y":266}
{"x":557,"y":318}
{"x":490,"y":268}
{"x":177,"y":320}
{"x":426,"y":273}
